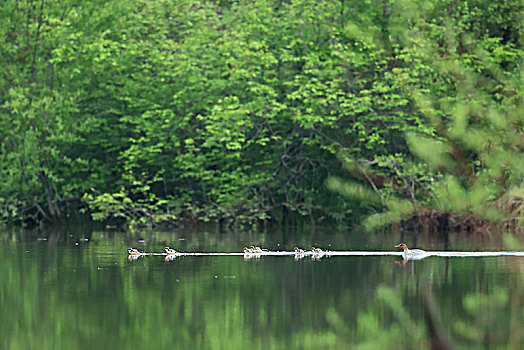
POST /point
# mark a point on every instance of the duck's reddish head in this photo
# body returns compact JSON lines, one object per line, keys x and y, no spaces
{"x":401,"y":245}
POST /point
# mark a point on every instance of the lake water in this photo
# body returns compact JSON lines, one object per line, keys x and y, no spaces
{"x":73,"y":290}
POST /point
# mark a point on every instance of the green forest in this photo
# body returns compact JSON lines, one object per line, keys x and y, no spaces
{"x":259,"y":112}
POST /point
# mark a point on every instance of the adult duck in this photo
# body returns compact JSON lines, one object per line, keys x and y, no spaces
{"x":411,"y":252}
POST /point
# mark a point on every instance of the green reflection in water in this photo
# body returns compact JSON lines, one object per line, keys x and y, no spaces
{"x":55,"y":294}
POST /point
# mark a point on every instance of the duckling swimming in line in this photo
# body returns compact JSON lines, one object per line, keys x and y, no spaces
{"x":170,"y":250}
{"x":133,"y":251}
{"x":256,"y":250}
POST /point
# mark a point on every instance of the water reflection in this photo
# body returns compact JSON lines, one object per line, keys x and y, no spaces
{"x":134,"y":257}
{"x":56,"y":294}
{"x":171,"y":257}
{"x":251,"y":256}
{"x":407,"y":258}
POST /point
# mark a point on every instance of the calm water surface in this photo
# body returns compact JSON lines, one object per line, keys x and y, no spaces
{"x":70,"y":290}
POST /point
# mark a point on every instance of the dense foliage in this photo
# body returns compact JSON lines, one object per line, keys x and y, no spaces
{"x":159,"y":111}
